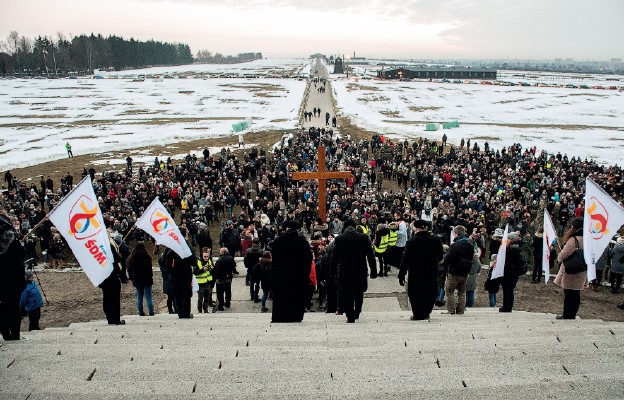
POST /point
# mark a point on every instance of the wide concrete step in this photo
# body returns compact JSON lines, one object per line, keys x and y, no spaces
{"x":383,"y":355}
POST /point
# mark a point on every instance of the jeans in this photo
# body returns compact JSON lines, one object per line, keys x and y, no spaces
{"x":441,"y":294}
{"x":144,"y":291}
{"x":469,"y":298}
{"x":204,"y":297}
{"x":455,"y":282}
{"x":265,"y":295}
{"x":492,"y":297}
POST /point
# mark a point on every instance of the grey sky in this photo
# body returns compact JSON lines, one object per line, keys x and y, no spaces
{"x":535,"y":29}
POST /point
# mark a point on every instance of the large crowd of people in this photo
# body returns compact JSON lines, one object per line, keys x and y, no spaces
{"x":395,"y":185}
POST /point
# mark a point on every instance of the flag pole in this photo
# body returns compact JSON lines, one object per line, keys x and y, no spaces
{"x":128,"y":234}
{"x":55,"y":207}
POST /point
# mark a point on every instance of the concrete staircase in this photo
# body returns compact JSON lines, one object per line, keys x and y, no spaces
{"x":482,"y":354}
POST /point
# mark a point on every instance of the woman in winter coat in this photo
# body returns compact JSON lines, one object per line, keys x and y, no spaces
{"x":572,"y":284}
{"x":617,"y":265}
{"x":139,"y":265}
{"x":265,"y":278}
{"x":471,"y":281}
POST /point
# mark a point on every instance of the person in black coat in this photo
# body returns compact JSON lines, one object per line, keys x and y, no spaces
{"x":422,"y":254}
{"x":351,"y":252}
{"x":292,"y":262}
{"x":181,"y":271}
{"x":12,"y":281}
{"x":139,"y":265}
{"x":252,"y":255}
{"x":111,"y":291}
{"x":167,"y":283}
{"x":223,"y":274}
{"x":514,"y":265}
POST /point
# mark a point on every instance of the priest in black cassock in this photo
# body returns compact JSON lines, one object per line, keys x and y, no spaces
{"x":422,"y":254}
{"x":290,"y":279}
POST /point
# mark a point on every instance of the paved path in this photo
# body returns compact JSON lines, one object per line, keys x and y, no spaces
{"x":320,"y":100}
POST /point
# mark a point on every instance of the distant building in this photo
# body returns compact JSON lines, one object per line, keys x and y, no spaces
{"x":338,"y":67}
{"x":318,"y":55}
{"x":437,"y":73}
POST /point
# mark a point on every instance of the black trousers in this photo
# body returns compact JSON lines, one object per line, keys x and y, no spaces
{"x":332,"y":295}
{"x":224,"y":289}
{"x":33,"y":319}
{"x":571,"y":303}
{"x":171,"y":304}
{"x":352,"y":301}
{"x":183,"y":305}
{"x":111,"y":292}
{"x":10,"y":320}
{"x":508,"y":285}
{"x":615,"y":280}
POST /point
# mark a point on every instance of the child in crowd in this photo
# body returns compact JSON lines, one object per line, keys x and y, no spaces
{"x":492,"y":286}
{"x":31,"y":302}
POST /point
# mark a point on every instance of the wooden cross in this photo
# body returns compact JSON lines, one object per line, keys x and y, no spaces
{"x":322,"y":176}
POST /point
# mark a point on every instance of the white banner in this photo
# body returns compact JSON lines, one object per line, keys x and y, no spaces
{"x":157,"y":222}
{"x":549,"y":239}
{"x":452,"y":239}
{"x":603,"y":217}
{"x":79,"y":219}
{"x":499,"y":267}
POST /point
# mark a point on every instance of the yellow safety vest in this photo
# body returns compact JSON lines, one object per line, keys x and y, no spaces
{"x":392,"y":238}
{"x":383,"y":244}
{"x":364,"y":229}
{"x":205,"y":276}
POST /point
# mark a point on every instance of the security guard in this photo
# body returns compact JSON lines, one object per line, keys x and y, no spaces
{"x":382,"y":236}
{"x":203,"y":274}
{"x":393,"y":235}
{"x":362,"y":227}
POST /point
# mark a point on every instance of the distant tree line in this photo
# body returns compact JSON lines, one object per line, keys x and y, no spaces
{"x":82,"y":54}
{"x":206,"y":57}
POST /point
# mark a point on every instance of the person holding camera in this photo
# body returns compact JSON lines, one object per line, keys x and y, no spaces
{"x":12,"y":282}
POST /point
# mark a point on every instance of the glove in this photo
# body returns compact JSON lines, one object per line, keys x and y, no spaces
{"x":402,"y":281}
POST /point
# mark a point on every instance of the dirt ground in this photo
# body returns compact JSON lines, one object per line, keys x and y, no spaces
{"x":74,"y":299}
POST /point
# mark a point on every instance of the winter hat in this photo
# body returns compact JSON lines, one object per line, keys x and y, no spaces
{"x":498,"y":233}
{"x":577,"y":223}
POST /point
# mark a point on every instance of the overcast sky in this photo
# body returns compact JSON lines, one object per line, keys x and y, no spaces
{"x":515,"y":29}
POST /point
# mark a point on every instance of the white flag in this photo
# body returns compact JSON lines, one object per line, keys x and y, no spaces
{"x":499,"y":267}
{"x":603,"y":217}
{"x":157,"y":222}
{"x":549,"y":239}
{"x":79,"y":219}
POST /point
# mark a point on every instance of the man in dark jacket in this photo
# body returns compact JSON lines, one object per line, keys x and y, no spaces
{"x":292,"y":262}
{"x":458,"y":262}
{"x":111,"y":291}
{"x":252,"y":255}
{"x":422,"y":254}
{"x":514,"y":264}
{"x":351,"y":252}
{"x":223,"y":273}
{"x":181,"y":271}
{"x":12,"y":281}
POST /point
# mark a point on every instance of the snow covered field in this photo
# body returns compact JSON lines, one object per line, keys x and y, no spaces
{"x":260,"y":68}
{"x":579,"y":122}
{"x":37,"y":117}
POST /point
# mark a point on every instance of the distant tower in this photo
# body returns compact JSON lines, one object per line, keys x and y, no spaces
{"x":338,"y":68}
